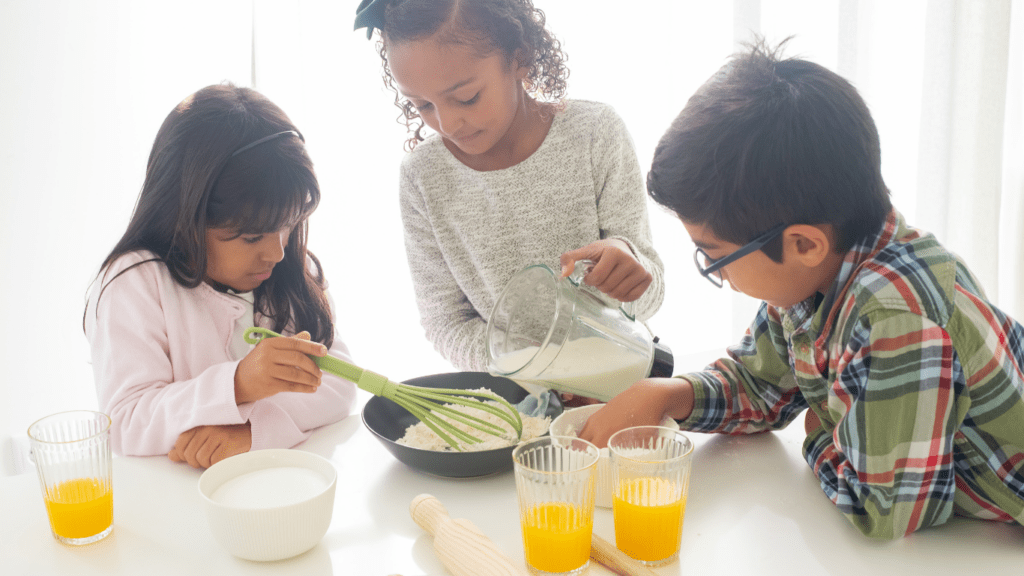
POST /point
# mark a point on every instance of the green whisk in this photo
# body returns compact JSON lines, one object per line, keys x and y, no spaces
{"x":424,"y":403}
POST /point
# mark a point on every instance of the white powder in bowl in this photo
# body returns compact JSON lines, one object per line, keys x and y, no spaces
{"x":420,"y":436}
{"x":271,"y":487}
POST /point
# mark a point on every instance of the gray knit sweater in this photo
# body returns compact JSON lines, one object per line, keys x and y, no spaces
{"x":467,"y":232}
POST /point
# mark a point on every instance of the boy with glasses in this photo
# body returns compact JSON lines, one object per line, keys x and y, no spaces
{"x":911,"y":378}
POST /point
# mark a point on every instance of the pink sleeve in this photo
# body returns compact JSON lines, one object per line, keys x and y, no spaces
{"x":133,"y":369}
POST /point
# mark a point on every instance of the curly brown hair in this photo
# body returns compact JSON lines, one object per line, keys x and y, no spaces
{"x":512,"y":26}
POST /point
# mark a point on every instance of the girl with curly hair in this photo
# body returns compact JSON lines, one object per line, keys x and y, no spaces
{"x":513,"y":175}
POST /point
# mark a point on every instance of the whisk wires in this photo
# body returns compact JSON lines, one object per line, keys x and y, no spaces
{"x":426,"y":404}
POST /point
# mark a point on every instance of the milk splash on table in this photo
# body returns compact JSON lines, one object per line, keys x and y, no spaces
{"x":590,"y":366}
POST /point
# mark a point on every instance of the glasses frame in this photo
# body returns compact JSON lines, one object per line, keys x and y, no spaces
{"x":712,"y":270}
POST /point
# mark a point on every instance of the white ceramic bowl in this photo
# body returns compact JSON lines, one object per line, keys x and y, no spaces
{"x":269,"y":504}
{"x":570,"y":422}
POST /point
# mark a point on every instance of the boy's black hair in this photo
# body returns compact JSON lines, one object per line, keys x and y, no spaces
{"x":768,"y":140}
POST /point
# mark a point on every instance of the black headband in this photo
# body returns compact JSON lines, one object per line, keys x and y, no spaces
{"x":266,"y":139}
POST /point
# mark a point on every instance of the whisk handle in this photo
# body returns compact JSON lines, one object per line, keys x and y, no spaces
{"x":372,"y":382}
{"x":339,"y":367}
{"x":365,"y":379}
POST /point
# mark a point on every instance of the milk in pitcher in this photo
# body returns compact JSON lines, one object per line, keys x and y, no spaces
{"x":592,"y":366}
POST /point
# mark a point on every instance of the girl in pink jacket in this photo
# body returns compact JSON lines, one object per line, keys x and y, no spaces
{"x":217,"y":243}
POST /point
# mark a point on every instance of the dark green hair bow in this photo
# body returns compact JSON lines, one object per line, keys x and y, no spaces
{"x":370,"y":15}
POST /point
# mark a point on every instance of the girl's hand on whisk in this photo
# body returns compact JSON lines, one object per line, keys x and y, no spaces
{"x":616,"y":271}
{"x":278,"y":365}
{"x":204,"y":446}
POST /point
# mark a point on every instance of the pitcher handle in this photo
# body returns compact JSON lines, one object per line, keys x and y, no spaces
{"x":580,"y":270}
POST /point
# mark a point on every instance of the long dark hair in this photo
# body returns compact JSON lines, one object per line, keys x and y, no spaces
{"x":515,"y":27}
{"x":193,"y":182}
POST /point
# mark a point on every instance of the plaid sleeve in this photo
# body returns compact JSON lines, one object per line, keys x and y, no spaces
{"x":884,"y":453}
{"x":751,"y":390}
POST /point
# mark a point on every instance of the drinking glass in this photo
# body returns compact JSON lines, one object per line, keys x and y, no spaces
{"x":71,"y":451}
{"x":650,"y":479}
{"x":555,"y":484}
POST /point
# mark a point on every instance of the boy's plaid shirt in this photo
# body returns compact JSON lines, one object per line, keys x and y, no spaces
{"x":916,"y":378}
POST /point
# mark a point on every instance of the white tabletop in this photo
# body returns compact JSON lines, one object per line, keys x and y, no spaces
{"x":754,"y":508}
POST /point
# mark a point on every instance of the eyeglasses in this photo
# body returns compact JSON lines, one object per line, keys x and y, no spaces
{"x":712,"y":269}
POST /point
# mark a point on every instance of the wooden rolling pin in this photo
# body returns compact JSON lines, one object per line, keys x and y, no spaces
{"x":616,"y":560}
{"x":459,"y":544}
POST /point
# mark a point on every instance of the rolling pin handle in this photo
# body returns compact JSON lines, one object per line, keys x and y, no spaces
{"x":616,"y":560}
{"x":428,"y":512}
{"x":459,"y":544}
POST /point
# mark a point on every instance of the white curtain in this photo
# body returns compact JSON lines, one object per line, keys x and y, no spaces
{"x":86,"y":85}
{"x":970,"y":174}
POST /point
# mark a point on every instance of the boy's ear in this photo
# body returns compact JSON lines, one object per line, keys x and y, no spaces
{"x":806,"y":243}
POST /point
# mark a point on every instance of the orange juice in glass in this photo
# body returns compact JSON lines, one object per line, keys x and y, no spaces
{"x":648,"y":515}
{"x":650,"y":476}
{"x":556,"y":537}
{"x":555,"y":487}
{"x":71,"y":451}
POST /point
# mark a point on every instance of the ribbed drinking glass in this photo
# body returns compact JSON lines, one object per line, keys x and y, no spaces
{"x":71,"y":451}
{"x":650,"y":481}
{"x":555,"y":483}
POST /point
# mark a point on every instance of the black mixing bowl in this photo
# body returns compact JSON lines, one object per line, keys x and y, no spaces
{"x":388,"y":422}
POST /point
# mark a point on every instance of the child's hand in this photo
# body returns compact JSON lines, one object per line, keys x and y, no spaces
{"x":570,"y":400}
{"x":278,"y":365}
{"x":204,"y":446}
{"x":642,"y":404}
{"x":616,"y":271}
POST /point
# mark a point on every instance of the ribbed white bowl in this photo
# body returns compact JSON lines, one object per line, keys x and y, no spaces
{"x":570,"y":422}
{"x":256,"y":531}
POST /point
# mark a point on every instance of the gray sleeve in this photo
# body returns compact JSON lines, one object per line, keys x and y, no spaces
{"x":622,"y":204}
{"x":449,"y":320}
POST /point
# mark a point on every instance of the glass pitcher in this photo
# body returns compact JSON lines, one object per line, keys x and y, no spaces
{"x":560,"y":333}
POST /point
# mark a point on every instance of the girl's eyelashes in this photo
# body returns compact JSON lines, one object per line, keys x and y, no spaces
{"x":428,"y":105}
{"x":471,"y":101}
{"x":253,"y":239}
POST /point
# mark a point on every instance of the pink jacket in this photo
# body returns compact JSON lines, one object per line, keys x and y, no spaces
{"x":160,"y":355}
